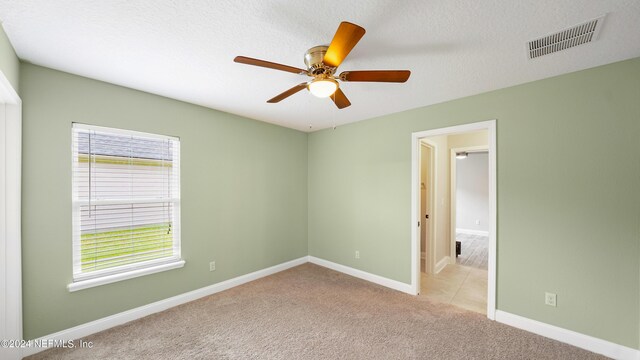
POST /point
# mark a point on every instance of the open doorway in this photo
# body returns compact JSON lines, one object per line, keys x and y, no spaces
{"x":470,"y":206}
{"x":10,"y":225}
{"x":437,"y":273}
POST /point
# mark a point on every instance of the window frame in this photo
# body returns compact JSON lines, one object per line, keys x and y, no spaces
{"x":109,"y":275}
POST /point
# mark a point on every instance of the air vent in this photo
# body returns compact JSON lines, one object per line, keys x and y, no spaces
{"x":568,"y":38}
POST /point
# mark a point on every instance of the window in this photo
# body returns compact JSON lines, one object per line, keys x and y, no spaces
{"x":126,"y":204}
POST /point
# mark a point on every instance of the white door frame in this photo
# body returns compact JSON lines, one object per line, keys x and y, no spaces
{"x":430,"y":258}
{"x":453,"y":191}
{"x":10,"y":238}
{"x":490,"y":126}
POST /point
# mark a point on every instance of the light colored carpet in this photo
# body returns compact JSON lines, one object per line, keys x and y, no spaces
{"x":310,"y":312}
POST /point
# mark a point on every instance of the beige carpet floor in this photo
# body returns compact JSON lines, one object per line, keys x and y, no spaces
{"x":310,"y":312}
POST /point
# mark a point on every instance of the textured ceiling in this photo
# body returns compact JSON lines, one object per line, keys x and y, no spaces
{"x":185,"y":49}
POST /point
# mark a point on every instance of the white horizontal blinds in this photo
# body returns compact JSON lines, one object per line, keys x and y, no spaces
{"x":126,"y":189}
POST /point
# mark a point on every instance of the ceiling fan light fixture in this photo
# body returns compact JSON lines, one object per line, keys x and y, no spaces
{"x":323,"y":88}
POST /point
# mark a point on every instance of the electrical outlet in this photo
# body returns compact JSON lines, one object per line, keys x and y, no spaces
{"x":477,"y":221}
{"x":550,"y":299}
{"x":212,"y":266}
{"x":357,"y":254}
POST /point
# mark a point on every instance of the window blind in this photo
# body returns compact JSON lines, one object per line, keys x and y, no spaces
{"x":126,"y":200}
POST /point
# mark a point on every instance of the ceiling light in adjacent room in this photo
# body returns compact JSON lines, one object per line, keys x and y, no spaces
{"x":461,"y":155}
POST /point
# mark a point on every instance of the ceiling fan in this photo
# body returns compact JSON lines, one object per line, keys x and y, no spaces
{"x":322,"y":62}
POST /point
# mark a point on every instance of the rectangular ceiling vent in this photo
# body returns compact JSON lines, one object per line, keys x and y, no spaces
{"x":573,"y":36}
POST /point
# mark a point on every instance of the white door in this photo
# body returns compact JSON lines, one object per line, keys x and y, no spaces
{"x":3,"y":230}
{"x":425,"y":203}
{"x":10,"y":274}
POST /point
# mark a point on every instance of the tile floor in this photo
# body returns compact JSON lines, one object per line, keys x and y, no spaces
{"x":458,"y":285}
{"x":475,"y":250}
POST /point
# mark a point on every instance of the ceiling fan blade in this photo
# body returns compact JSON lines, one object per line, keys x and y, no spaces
{"x":340,"y":99}
{"x":344,"y":40}
{"x":399,"y":76}
{"x":287,"y":93}
{"x":268,"y":64}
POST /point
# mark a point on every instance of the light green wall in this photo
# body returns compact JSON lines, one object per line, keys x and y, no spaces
{"x":568,"y":195}
{"x":244,"y":195}
{"x":9,"y":63}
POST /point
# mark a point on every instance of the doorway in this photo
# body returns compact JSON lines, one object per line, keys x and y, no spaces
{"x":440,"y":238}
{"x":10,"y":253}
{"x":470,"y":206}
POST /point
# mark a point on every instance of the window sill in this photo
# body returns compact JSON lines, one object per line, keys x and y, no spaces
{"x":108,"y":279}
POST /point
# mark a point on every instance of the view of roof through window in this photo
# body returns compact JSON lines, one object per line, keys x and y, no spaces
{"x":124,"y":146}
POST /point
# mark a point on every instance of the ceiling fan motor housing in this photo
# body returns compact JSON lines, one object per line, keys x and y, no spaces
{"x":313,"y":59}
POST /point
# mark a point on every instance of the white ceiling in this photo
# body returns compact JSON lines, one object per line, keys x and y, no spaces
{"x":185,"y":49}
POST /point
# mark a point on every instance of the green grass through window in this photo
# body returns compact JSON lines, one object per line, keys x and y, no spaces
{"x":114,"y":248}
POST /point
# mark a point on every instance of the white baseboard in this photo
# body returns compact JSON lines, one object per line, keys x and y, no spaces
{"x":583,"y":341}
{"x":586,"y":342}
{"x":442,"y":263}
{"x":472,"y":232}
{"x":95,"y":326}
{"x":376,"y":279}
